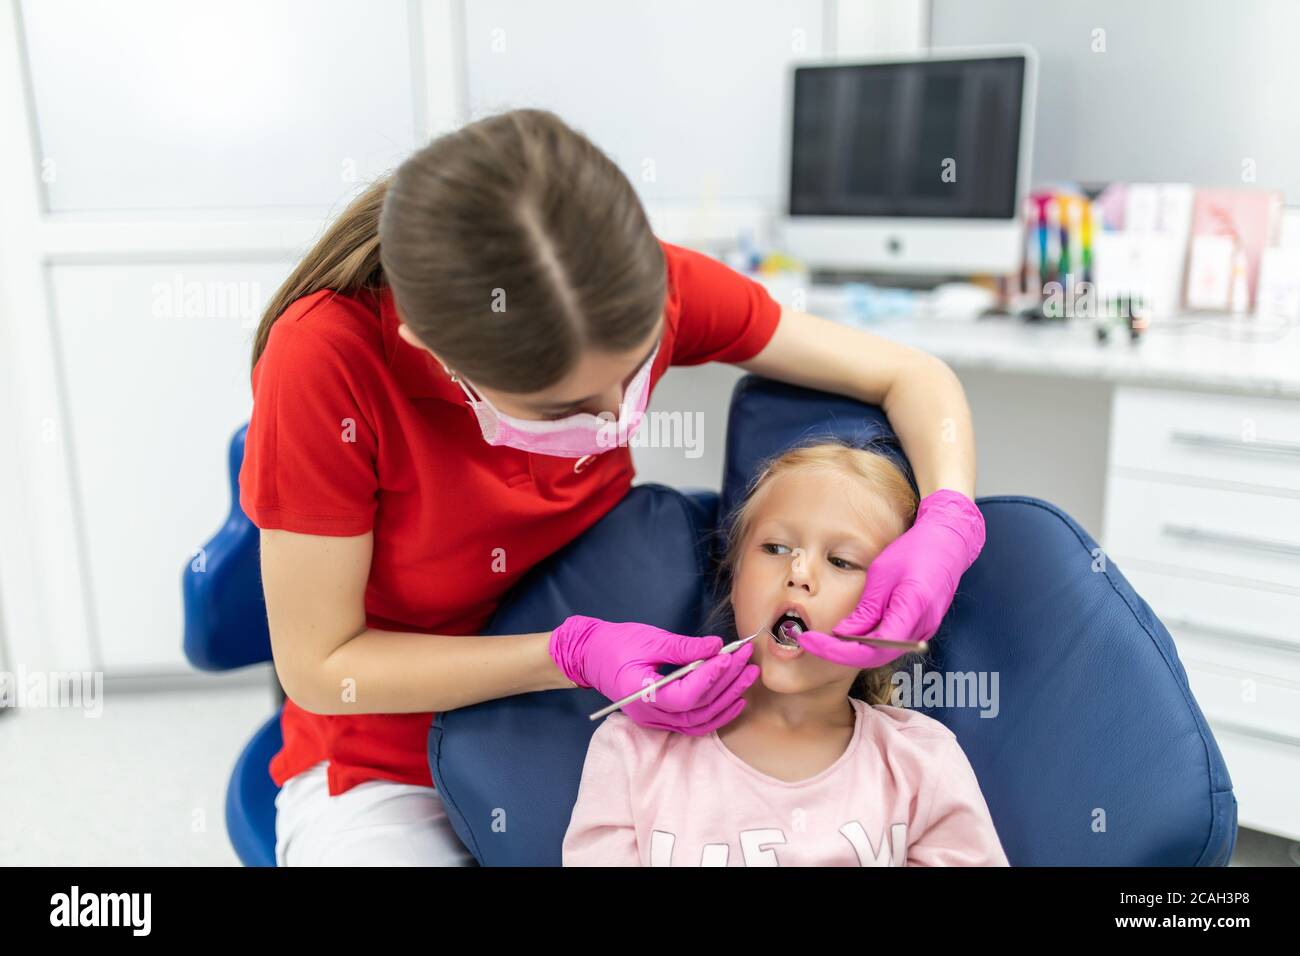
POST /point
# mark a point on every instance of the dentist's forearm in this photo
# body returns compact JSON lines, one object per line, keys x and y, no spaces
{"x":330,"y":662}
{"x":391,"y":672}
{"x":927,"y":408}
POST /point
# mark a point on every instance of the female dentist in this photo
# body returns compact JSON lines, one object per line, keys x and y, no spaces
{"x":427,"y":426}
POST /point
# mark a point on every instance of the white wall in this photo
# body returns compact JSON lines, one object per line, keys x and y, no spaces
{"x":851,"y":30}
{"x":1157,"y":91}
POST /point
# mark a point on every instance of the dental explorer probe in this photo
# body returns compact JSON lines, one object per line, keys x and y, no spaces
{"x":789,"y":629}
{"x":668,"y":678}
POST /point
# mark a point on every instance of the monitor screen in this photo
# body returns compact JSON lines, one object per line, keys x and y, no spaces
{"x":927,"y":138}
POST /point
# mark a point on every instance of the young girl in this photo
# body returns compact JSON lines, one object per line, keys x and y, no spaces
{"x":818,"y":769}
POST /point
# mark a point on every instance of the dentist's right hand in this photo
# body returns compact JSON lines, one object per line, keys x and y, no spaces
{"x":618,"y":659}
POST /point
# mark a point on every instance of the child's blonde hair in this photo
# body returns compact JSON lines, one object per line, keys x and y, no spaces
{"x":868,"y":464}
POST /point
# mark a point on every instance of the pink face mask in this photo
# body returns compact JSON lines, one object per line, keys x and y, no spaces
{"x":574,"y":436}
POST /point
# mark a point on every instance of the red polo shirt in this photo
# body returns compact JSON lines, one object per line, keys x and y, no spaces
{"x":354,"y":430}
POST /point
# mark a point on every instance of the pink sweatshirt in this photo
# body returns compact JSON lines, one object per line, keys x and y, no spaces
{"x":902,"y":794}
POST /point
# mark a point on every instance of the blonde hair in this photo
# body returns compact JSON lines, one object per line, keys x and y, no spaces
{"x":866,"y":463}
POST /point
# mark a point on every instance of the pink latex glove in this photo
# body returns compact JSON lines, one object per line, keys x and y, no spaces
{"x":619,"y":659}
{"x":910,"y":584}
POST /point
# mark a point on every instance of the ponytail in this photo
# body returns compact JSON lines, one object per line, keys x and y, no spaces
{"x":345,"y":259}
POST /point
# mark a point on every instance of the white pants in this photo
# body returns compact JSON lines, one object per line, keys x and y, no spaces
{"x":376,"y":823}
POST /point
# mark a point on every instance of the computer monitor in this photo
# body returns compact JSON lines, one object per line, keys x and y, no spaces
{"x":912,"y":165}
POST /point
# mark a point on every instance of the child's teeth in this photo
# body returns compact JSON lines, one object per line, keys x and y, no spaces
{"x":787,"y":633}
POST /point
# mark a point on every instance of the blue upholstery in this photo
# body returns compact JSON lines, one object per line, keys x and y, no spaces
{"x":1095,"y":711}
{"x":225,"y":628}
{"x":1097,"y":724}
{"x":768,"y":417}
{"x":250,"y":798}
{"x":225,"y":618}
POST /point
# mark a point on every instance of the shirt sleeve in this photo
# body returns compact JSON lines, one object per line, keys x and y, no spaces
{"x":724,"y":316}
{"x":601,"y":830}
{"x":310,"y":452}
{"x":958,"y":830}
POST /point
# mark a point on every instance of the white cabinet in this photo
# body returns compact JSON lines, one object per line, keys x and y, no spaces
{"x":1208,"y":437}
{"x":1203,"y":516}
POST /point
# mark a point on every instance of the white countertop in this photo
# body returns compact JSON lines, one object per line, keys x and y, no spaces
{"x":1258,"y":356}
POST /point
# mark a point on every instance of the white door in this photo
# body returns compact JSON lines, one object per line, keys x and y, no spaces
{"x":163,"y":166}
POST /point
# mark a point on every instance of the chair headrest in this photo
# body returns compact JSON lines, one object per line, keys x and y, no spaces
{"x":767,"y":418}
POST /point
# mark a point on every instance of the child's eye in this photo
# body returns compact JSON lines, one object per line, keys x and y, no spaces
{"x":843,"y":564}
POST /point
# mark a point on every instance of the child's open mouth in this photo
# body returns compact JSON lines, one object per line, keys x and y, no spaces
{"x":787,"y":628}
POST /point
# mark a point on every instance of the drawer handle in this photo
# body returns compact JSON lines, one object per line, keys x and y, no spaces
{"x":1201,"y":536}
{"x":1287,"y":449}
{"x":1214,"y":630}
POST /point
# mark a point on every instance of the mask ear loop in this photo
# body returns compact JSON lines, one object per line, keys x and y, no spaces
{"x":457,"y":379}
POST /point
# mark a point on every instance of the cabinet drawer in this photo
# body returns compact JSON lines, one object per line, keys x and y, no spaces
{"x":1254,"y":538}
{"x":1256,"y":723}
{"x":1253,"y":703}
{"x":1249,"y":652}
{"x":1225,"y":437}
{"x":1265,"y":779}
{"x":1265,"y":619}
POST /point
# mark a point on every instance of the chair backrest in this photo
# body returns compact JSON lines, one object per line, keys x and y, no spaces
{"x":1098,"y":753}
{"x":221,"y":586}
{"x":1093,"y":752}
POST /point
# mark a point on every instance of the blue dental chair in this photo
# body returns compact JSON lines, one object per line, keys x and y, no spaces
{"x":1098,"y":754}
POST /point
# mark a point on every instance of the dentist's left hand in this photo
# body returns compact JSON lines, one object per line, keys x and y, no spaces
{"x":910,"y":584}
{"x":618,"y":659}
